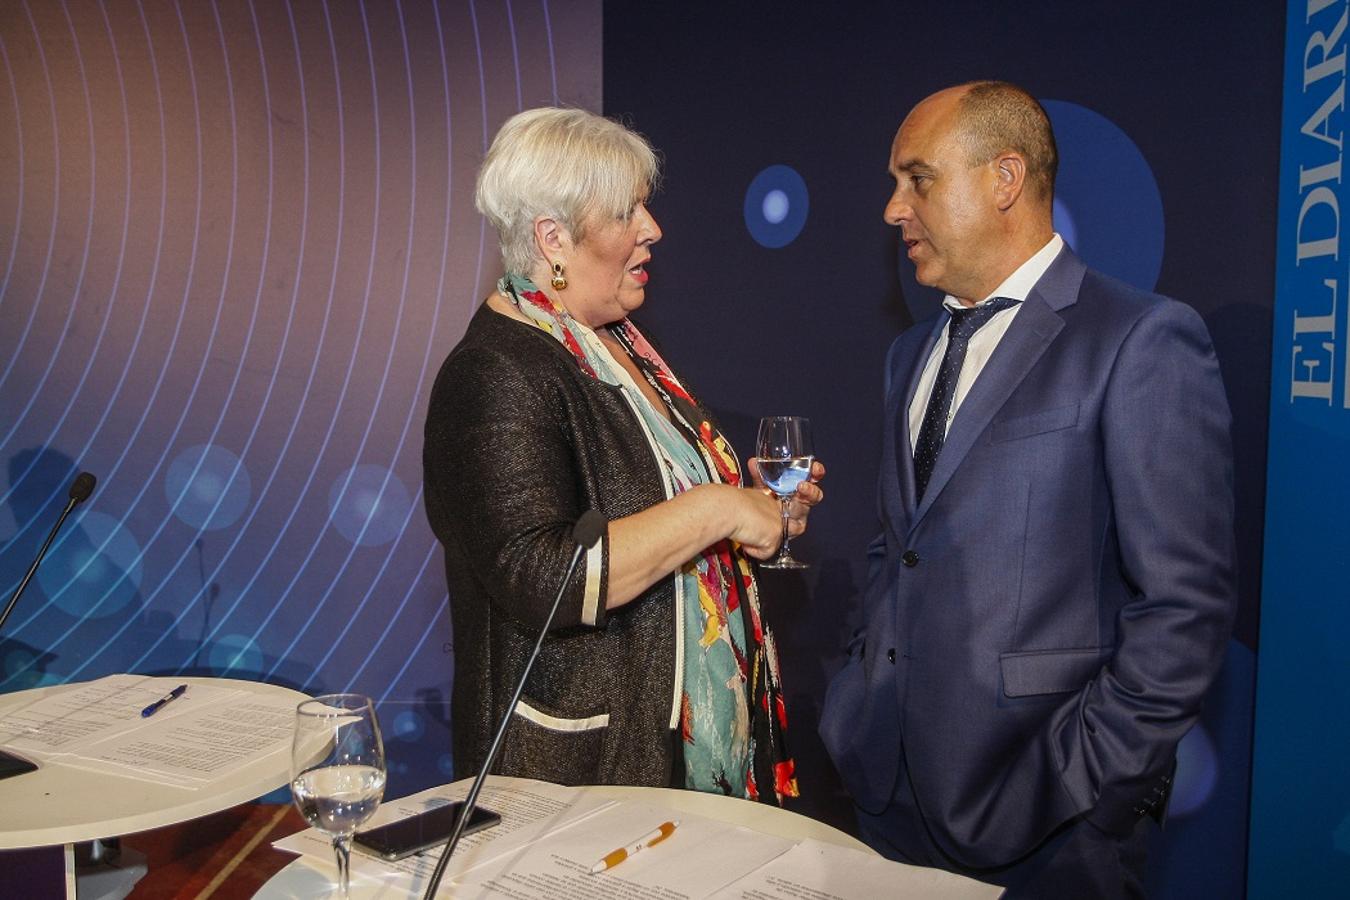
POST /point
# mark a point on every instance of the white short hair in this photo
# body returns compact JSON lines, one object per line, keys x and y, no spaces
{"x":568,"y":164}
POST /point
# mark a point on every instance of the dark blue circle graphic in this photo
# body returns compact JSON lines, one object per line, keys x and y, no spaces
{"x":1108,"y":189}
{"x":1107,"y":205}
{"x":776,"y":204}
{"x":1064,"y":223}
{"x":1197,"y":772}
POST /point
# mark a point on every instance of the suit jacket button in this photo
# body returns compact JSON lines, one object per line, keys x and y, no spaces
{"x":910,"y":558}
{"x":890,"y":655}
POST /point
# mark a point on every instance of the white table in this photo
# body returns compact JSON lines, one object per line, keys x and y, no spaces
{"x":60,"y":804}
{"x":303,"y":879}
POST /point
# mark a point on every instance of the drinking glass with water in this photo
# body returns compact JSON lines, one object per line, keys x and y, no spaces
{"x":783,"y":451}
{"x":337,"y":769}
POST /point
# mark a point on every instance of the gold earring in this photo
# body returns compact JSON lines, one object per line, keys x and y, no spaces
{"x":559,"y":280}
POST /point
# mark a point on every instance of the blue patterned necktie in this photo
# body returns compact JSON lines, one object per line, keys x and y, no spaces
{"x":933,"y":432}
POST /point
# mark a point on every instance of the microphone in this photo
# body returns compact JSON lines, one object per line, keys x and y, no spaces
{"x":82,"y":487}
{"x":80,"y":490}
{"x":585,"y":533}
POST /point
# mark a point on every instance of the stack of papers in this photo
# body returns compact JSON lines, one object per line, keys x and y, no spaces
{"x":200,"y":737}
{"x":551,"y":836}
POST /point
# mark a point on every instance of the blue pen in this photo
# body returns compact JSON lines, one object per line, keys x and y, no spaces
{"x":171,"y":695}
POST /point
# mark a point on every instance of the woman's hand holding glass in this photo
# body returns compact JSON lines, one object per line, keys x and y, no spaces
{"x":755,"y":520}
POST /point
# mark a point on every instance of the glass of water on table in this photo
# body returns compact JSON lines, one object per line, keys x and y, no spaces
{"x":337,"y":769}
{"x":783,"y":451}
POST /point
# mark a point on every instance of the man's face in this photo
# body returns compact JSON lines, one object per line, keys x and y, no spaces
{"x":945,"y":208}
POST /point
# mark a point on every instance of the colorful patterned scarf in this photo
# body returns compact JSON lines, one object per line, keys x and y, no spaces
{"x":730,"y":699}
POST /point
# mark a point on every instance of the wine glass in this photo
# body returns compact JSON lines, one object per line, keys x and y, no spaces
{"x":337,"y":769}
{"x":784,"y":453}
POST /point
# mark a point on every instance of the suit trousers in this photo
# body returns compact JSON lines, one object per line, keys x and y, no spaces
{"x":1077,"y":862}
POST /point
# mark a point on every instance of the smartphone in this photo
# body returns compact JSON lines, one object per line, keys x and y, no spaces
{"x":426,"y":829}
{"x":14,"y":765}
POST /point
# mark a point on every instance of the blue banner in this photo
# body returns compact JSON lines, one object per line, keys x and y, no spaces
{"x":1300,"y":816}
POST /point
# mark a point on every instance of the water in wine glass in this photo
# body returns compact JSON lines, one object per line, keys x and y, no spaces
{"x":337,"y":799}
{"x":783,"y":475}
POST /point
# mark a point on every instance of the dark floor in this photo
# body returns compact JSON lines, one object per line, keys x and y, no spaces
{"x":224,"y":856}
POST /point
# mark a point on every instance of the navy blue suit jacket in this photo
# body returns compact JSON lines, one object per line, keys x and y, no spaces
{"x":1040,"y":629}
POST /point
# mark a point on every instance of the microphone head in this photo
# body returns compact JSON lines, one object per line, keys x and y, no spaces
{"x":82,"y":487}
{"x":589,"y":528}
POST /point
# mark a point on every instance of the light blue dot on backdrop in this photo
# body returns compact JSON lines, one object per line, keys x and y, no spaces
{"x":1197,"y":772}
{"x":776,"y":205}
{"x":369,"y":505}
{"x":445,"y":764}
{"x":207,"y":487}
{"x":235,"y":655}
{"x":408,"y":726}
{"x":94,"y":570}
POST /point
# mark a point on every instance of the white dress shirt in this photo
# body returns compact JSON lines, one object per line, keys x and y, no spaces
{"x":981,"y":346}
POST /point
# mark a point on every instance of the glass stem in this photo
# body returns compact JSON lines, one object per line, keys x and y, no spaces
{"x":343,"y":851}
{"x":783,"y":551}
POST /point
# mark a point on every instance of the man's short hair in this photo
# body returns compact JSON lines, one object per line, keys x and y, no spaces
{"x":995,"y":116}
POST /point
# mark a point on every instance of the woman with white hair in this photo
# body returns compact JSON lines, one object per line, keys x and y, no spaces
{"x":659,"y":669}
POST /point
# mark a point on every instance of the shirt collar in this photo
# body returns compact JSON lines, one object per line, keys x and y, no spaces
{"x":1019,"y":284}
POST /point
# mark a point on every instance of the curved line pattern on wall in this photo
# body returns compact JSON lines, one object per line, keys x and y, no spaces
{"x":242,"y":242}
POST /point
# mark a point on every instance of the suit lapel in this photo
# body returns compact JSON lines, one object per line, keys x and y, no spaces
{"x":1036,"y":325}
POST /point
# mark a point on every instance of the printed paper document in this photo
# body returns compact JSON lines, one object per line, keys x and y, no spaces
{"x":199,"y":737}
{"x":814,"y":870}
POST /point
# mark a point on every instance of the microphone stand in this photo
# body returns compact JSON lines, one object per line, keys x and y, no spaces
{"x":586,"y":532}
{"x":80,"y":490}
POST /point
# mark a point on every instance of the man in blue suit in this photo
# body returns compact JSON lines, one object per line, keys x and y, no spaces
{"x":1053,"y":587}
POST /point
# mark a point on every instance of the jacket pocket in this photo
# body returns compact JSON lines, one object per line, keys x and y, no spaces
{"x":542,"y":744}
{"x":1047,"y":420}
{"x":1032,"y":672}
{"x":861,"y":731}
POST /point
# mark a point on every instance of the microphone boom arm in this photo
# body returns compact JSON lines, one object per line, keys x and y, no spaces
{"x":586,"y":532}
{"x":79,"y":491}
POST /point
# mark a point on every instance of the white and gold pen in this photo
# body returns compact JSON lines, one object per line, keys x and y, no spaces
{"x":651,"y":839}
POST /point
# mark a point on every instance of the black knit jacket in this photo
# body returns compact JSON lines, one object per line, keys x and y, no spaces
{"x":519,"y":442}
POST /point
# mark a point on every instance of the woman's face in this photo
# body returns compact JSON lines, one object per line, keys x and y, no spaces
{"x":606,"y":274}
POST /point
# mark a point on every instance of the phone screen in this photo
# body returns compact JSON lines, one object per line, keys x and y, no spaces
{"x":407,"y":836}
